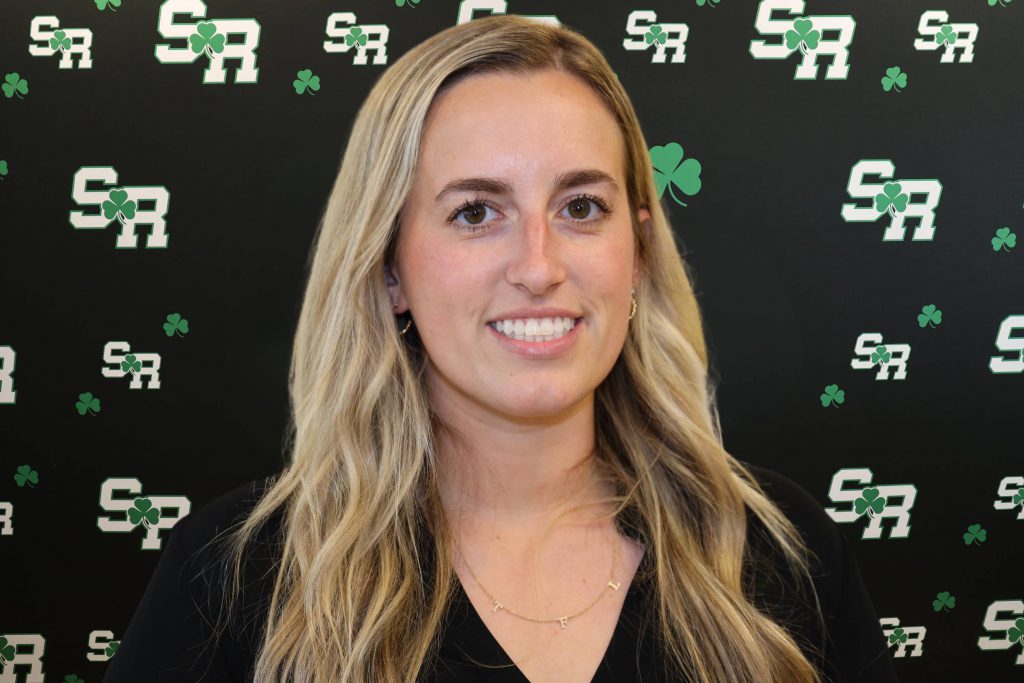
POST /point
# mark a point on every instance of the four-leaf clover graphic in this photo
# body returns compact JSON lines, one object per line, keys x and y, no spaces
{"x":880,"y":355}
{"x":87,"y":403}
{"x":60,"y":41}
{"x":26,"y":475}
{"x":206,"y":38}
{"x":975,"y":534}
{"x":118,"y":206}
{"x":131,"y":364}
{"x":175,"y":323}
{"x":1005,"y":239}
{"x":945,"y":34}
{"x":802,"y":36}
{"x":306,"y":82}
{"x":929,"y":314}
{"x":898,"y":635}
{"x":14,"y":84}
{"x":894,"y":78}
{"x":869,"y":502}
{"x":943,"y":601}
{"x":656,"y":34}
{"x":6,"y":650}
{"x":355,"y":35}
{"x":668,"y":171}
{"x":1016,"y":632}
{"x":102,"y":4}
{"x":891,"y":197}
{"x":143,"y":513}
{"x":833,"y":395}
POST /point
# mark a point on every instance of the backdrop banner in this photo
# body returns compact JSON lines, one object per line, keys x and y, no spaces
{"x":845,"y":177}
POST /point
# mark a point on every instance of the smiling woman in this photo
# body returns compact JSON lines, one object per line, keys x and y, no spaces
{"x":523,"y":476}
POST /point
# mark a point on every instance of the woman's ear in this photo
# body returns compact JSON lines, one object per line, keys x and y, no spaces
{"x":394,"y":289}
{"x":643,"y":218}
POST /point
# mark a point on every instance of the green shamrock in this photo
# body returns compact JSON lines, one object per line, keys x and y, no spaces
{"x":1004,"y":239}
{"x":118,"y":205}
{"x":992,"y":3}
{"x":894,"y":78}
{"x":898,"y":635}
{"x":102,"y":4}
{"x":943,"y":601}
{"x":801,"y":36}
{"x":143,"y":512}
{"x":880,"y":355}
{"x":656,"y":34}
{"x":975,"y":534}
{"x":946,"y":34}
{"x":130,"y":363}
{"x":13,"y":83}
{"x":3,"y":167}
{"x":355,"y":35}
{"x":306,"y":80}
{"x":86,"y":403}
{"x":834,"y":395}
{"x":668,"y":171}
{"x":412,"y":3}
{"x":175,"y":323}
{"x":112,"y":647}
{"x":928,"y":315}
{"x":207,"y":38}
{"x":60,"y":41}
{"x":1016,"y":632}
{"x":73,"y":678}
{"x":1018,"y":497}
{"x":6,"y":650}
{"x":709,"y":3}
{"x":869,"y":502}
{"x":891,"y":198}
{"x":26,"y":475}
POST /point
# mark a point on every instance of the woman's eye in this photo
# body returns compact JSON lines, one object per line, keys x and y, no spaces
{"x":580,"y":211}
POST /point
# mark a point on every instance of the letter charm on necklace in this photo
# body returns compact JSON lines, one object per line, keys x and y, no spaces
{"x":497,"y":606}
{"x":615,"y":584}
{"x":564,"y":621}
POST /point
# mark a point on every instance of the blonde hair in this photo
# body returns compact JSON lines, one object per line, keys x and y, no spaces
{"x":358,"y":497}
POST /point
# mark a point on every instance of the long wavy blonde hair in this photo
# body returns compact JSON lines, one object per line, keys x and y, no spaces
{"x":358,"y":496}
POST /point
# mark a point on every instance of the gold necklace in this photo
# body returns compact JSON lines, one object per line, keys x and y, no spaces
{"x":564,"y":621}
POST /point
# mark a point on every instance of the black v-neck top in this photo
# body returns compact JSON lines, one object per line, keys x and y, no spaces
{"x":166,"y":639}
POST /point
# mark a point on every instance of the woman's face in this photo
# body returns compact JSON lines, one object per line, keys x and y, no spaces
{"x":530,"y":239}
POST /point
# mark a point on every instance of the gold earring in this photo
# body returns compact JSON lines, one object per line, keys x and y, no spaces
{"x":407,"y":325}
{"x":633,"y":311}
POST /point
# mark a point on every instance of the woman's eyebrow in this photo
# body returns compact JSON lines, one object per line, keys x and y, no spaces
{"x":563,"y":181}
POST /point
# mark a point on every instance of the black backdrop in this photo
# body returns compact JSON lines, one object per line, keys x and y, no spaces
{"x":149,"y":372}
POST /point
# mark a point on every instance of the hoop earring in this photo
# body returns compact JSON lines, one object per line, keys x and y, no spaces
{"x":407,"y":325}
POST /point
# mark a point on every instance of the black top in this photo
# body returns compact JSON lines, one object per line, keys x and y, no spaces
{"x":165,"y":639}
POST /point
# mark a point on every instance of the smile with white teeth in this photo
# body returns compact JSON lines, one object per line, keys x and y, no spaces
{"x":534,"y":329}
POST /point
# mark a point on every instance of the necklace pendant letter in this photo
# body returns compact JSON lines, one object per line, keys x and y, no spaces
{"x":497,"y":606}
{"x":564,"y":621}
{"x":615,"y":584}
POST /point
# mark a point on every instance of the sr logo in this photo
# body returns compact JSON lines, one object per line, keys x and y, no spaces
{"x":870,"y":351}
{"x":120,"y":204}
{"x":69,"y":42}
{"x":673,"y":37}
{"x":813,"y":36}
{"x":915,"y":198}
{"x":148,"y":512}
{"x":138,"y":365}
{"x":1004,"y":628}
{"x":211,"y":38}
{"x":940,"y":34}
{"x":467,"y":8}
{"x":363,"y":38}
{"x":877,"y":502}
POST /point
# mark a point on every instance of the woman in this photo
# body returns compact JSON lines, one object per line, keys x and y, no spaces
{"x":536,"y":433}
